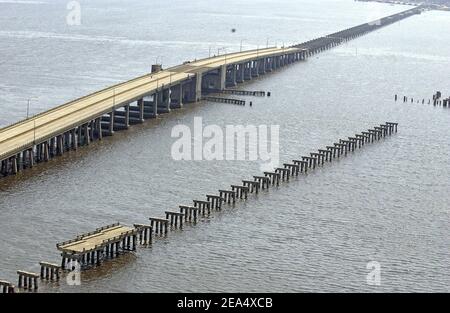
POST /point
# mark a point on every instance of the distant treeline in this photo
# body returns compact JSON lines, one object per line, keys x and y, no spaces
{"x":435,"y":2}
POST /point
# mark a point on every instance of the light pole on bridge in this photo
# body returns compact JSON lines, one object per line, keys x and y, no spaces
{"x":242,"y":40}
{"x":28,"y":106}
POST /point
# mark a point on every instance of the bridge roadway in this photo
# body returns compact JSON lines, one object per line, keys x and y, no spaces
{"x":66,"y":127}
{"x":24,"y":134}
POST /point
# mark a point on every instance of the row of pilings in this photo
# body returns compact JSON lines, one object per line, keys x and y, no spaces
{"x":191,"y":213}
{"x":437,"y":100}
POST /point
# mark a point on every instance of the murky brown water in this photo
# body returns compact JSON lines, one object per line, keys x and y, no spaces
{"x":388,"y":202}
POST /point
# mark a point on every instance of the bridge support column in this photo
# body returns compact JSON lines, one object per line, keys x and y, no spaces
{"x":140,"y":104}
{"x":163,"y":103}
{"x":13,"y":161}
{"x":176,"y":96}
{"x":198,"y":87}
{"x":66,"y":142}
{"x":92,"y":129}
{"x":267,"y":66}
{"x":262,"y":63}
{"x":111,"y":123}
{"x":23,"y":159}
{"x":79,"y":131}
{"x":167,"y":96}
{"x":73,"y":133}
{"x":247,"y":71}
{"x":255,"y":68}
{"x":98,"y":123}
{"x":127,"y":116}
{"x":87,"y":138}
{"x":46,"y":151}
{"x":180,"y":96}
{"x":234,"y":75}
{"x":59,"y":145}
{"x":239,"y":73}
{"x":19,"y":161}
{"x":155,"y":103}
{"x":38,"y":153}
{"x":223,"y":77}
{"x":4,"y":168}
{"x":31,"y":157}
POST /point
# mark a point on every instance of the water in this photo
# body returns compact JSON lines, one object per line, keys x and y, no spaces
{"x":387,"y":202}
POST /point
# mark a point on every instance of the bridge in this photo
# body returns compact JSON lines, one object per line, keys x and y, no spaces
{"x":77,"y":123}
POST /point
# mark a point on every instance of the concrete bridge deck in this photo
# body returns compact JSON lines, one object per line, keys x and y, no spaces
{"x":78,"y":122}
{"x":21,"y":135}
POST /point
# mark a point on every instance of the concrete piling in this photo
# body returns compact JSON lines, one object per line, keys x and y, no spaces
{"x":216,"y":201}
{"x":228,"y":196}
{"x":393,"y":126}
{"x":204,"y":206}
{"x":241,"y":191}
{"x":302,"y":164}
{"x":336,"y":151}
{"x":319,"y":157}
{"x":355,"y":141}
{"x":6,"y":287}
{"x":274,"y":177}
{"x":262,"y":181}
{"x":144,"y":232}
{"x":380,"y":131}
{"x":175,"y":218}
{"x":327,"y":154}
{"x":252,"y":186}
{"x":161,"y":226}
{"x":312,"y":161}
{"x":27,"y":280}
{"x":49,"y":271}
{"x":284,"y":172}
{"x":294,"y":169}
{"x":190,"y":213}
{"x":350,"y":145}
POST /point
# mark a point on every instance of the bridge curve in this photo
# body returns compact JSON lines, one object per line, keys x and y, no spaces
{"x":78,"y":122}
